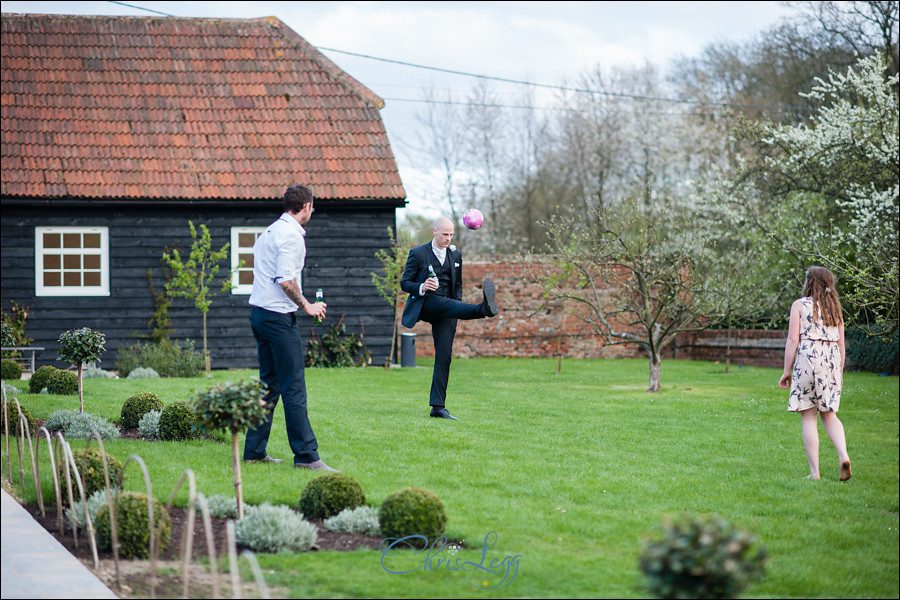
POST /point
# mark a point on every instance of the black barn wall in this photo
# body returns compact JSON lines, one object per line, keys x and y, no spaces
{"x":341,"y":246}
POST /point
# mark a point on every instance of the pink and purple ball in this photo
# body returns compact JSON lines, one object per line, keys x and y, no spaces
{"x":473,"y":219}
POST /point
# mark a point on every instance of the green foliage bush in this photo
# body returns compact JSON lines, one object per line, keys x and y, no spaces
{"x":77,"y":346}
{"x":13,"y":412}
{"x":337,"y":349}
{"x":82,"y":425}
{"x":58,"y":420}
{"x":329,"y":494}
{"x":90,"y":467}
{"x":96,"y":373}
{"x":63,"y":383}
{"x":702,"y":557}
{"x":412,"y":511}
{"x":134,"y":525}
{"x":143,"y":373}
{"x":75,"y":514}
{"x":231,"y":407}
{"x":137,"y":406}
{"x":40,"y":379}
{"x":176,"y":422}
{"x":223,"y":507}
{"x":267,"y":528}
{"x":873,"y":353}
{"x":10,"y":370}
{"x":362,"y":520}
{"x":167,"y":358}
{"x":148,"y":426}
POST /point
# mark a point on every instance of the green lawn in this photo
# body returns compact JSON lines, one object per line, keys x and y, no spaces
{"x":571,"y":472}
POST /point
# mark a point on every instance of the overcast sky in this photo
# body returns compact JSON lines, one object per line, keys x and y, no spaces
{"x":541,"y":42}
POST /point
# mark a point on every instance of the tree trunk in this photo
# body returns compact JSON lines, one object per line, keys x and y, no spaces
{"x":205,"y":350}
{"x":81,"y":386}
{"x":236,"y":471}
{"x":655,"y":360}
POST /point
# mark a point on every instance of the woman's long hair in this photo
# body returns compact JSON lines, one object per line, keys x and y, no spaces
{"x":819,"y":286}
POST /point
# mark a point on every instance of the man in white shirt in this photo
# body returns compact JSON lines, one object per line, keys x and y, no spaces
{"x":278,"y":258}
{"x":435,"y":296}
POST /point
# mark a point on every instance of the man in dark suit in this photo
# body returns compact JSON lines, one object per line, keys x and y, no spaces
{"x":435,"y":296}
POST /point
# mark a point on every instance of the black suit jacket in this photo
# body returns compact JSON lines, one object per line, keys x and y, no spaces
{"x":415,"y":274}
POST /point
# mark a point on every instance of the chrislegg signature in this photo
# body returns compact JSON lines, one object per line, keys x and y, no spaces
{"x":507,"y":566}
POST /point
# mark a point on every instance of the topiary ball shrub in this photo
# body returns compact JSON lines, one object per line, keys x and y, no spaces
{"x":134,"y":525}
{"x":40,"y":379}
{"x":63,"y":383}
{"x":10,"y":370}
{"x":412,"y":511}
{"x":329,"y":494}
{"x":176,"y":422}
{"x":267,"y":528}
{"x":13,"y":412}
{"x":137,"y":406}
{"x":90,"y":466}
{"x":701,"y":558}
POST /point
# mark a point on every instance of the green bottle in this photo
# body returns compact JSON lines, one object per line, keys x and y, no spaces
{"x":320,"y":297}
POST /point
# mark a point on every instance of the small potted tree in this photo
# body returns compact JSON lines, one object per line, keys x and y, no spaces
{"x":233,"y":407}
{"x":79,"y":346}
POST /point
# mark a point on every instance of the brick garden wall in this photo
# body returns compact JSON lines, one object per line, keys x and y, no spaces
{"x":529,"y":327}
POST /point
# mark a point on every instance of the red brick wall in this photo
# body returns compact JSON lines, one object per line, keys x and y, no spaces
{"x":529,"y":327}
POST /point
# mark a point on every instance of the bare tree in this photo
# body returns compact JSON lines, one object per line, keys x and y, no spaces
{"x":639,"y":276}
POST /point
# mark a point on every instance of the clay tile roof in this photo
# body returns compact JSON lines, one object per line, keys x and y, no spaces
{"x":133,"y":107}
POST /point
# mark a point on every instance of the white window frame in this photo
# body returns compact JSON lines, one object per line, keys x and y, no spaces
{"x":40,"y":289}
{"x":237,"y":287}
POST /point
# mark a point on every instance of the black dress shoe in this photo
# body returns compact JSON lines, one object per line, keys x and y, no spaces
{"x":442,"y":413}
{"x":490,"y":305}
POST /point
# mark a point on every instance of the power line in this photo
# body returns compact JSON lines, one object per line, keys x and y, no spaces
{"x":552,"y":86}
{"x":517,"y":81}
{"x":140,"y":8}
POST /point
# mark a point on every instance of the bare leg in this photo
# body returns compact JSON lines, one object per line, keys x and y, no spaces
{"x":835,"y":430}
{"x":810,"y":427}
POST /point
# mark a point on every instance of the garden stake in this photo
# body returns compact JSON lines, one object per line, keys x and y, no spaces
{"x":236,"y":469}
{"x":153,"y":546}
{"x":187,"y":540}
{"x":236,"y":592}
{"x":113,"y":514}
{"x":6,"y":433}
{"x":64,"y":464}
{"x":56,"y":488}
{"x":210,"y":546}
{"x":257,"y":574}
{"x":70,"y":459}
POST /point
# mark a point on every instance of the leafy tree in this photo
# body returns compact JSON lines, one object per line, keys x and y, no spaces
{"x":393,"y":261}
{"x":194,"y":278}
{"x":78,"y":346}
{"x":232,"y":407}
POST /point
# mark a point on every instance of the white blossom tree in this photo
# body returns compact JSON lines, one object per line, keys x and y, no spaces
{"x":850,"y":153}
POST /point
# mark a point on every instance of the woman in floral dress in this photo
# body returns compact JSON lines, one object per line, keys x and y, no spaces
{"x":813,"y":366}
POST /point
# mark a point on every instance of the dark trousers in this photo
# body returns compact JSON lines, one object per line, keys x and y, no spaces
{"x":443,"y":314}
{"x":280,"y":354}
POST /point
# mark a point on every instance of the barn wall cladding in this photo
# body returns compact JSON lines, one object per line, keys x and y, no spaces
{"x":340,"y":257}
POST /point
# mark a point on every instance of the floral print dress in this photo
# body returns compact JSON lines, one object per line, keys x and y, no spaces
{"x":817,"y":369}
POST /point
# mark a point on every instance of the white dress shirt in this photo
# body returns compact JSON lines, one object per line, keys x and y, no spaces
{"x":278,"y":255}
{"x":441,"y":254}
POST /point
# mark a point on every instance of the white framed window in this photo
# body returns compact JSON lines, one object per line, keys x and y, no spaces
{"x":242,"y":240}
{"x":71,"y":261}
